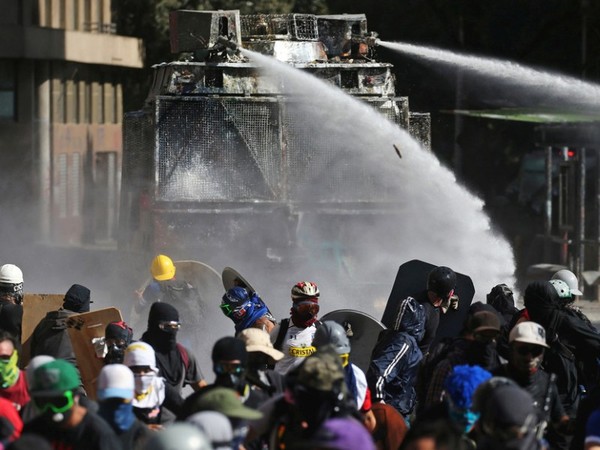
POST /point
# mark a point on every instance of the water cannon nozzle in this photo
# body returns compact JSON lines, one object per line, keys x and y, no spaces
{"x":372,"y":40}
{"x":225,"y":42}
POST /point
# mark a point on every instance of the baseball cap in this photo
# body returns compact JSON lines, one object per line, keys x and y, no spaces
{"x":258,"y":340}
{"x":227,"y":402}
{"x":54,"y":378}
{"x":484,"y":320}
{"x":529,"y":333}
{"x":34,"y":363}
{"x":115,"y":381}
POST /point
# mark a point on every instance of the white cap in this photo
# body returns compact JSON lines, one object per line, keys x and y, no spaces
{"x":115,"y":381}
{"x":258,"y":340}
{"x":140,"y":353}
{"x":529,"y":333}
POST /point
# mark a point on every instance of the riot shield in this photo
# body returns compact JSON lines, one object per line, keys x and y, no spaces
{"x":411,"y":279}
{"x":362,"y":330}
{"x":83,"y":329}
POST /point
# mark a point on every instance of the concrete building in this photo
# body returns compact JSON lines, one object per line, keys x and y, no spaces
{"x":61,"y":71}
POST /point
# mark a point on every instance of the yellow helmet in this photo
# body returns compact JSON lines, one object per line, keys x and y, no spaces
{"x":162,"y":268}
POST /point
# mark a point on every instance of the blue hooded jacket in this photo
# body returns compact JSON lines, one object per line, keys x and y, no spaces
{"x":396,"y":357}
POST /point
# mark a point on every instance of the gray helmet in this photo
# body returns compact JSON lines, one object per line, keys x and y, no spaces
{"x":179,"y":436}
{"x":333,"y":334}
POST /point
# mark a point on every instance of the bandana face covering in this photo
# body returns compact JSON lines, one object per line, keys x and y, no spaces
{"x":9,"y":372}
{"x":143,"y":383}
{"x":304,"y":313}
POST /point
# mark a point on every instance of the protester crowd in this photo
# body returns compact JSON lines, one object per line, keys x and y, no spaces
{"x":512,"y":379}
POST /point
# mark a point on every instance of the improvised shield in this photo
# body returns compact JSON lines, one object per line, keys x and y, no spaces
{"x":362,"y":330}
{"x":202,"y":322}
{"x":411,"y":279}
{"x":35,"y":308}
{"x":232,"y":278}
{"x":83,"y":329}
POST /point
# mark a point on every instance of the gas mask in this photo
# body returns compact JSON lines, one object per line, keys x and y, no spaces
{"x":115,"y":353}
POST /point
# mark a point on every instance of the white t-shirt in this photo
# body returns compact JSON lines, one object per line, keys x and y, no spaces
{"x":296,"y":345}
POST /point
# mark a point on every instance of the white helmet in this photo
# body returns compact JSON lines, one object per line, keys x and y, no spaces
{"x":11,"y":281}
{"x":10,"y":274}
{"x":568,"y":277}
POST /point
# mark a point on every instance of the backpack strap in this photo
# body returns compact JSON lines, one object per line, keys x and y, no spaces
{"x":283,"y":327}
{"x":184,"y":356}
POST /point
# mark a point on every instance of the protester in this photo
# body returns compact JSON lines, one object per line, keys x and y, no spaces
{"x":176,"y":363}
{"x":247,"y":310}
{"x":115,"y":391}
{"x":13,"y":382}
{"x":508,"y":417}
{"x":229,"y":358}
{"x":62,"y":420}
{"x":117,"y":336}
{"x":527,"y":341}
{"x":262,"y":357}
{"x":227,"y":402}
{"x":315,"y":392}
{"x":50,"y":336}
{"x":149,"y":387}
{"x":11,"y":300}
{"x":294,"y":335}
{"x":477,"y":346}
{"x":396,"y":357}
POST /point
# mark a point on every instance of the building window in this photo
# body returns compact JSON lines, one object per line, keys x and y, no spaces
{"x":8,"y":89}
{"x":61,"y":186}
{"x":75,"y":185}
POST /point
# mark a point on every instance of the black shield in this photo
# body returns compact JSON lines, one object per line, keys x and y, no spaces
{"x":411,"y":279}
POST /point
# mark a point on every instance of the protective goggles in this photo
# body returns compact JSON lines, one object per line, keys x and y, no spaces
{"x":169,"y":326}
{"x":306,"y":308}
{"x":221,"y":368}
{"x":56,"y":404}
{"x":533,"y":350}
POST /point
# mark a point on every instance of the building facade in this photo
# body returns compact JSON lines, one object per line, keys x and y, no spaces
{"x":61,"y":108}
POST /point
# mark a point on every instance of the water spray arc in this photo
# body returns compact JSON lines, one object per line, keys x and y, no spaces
{"x":288,"y":159}
{"x":572,"y":92}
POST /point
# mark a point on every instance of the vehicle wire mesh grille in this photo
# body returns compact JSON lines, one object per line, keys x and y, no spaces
{"x":217,"y":149}
{"x":301,"y":27}
{"x":234,"y":149}
{"x":138,"y":139}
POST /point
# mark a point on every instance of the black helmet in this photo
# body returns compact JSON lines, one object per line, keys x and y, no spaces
{"x":441,"y":281}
